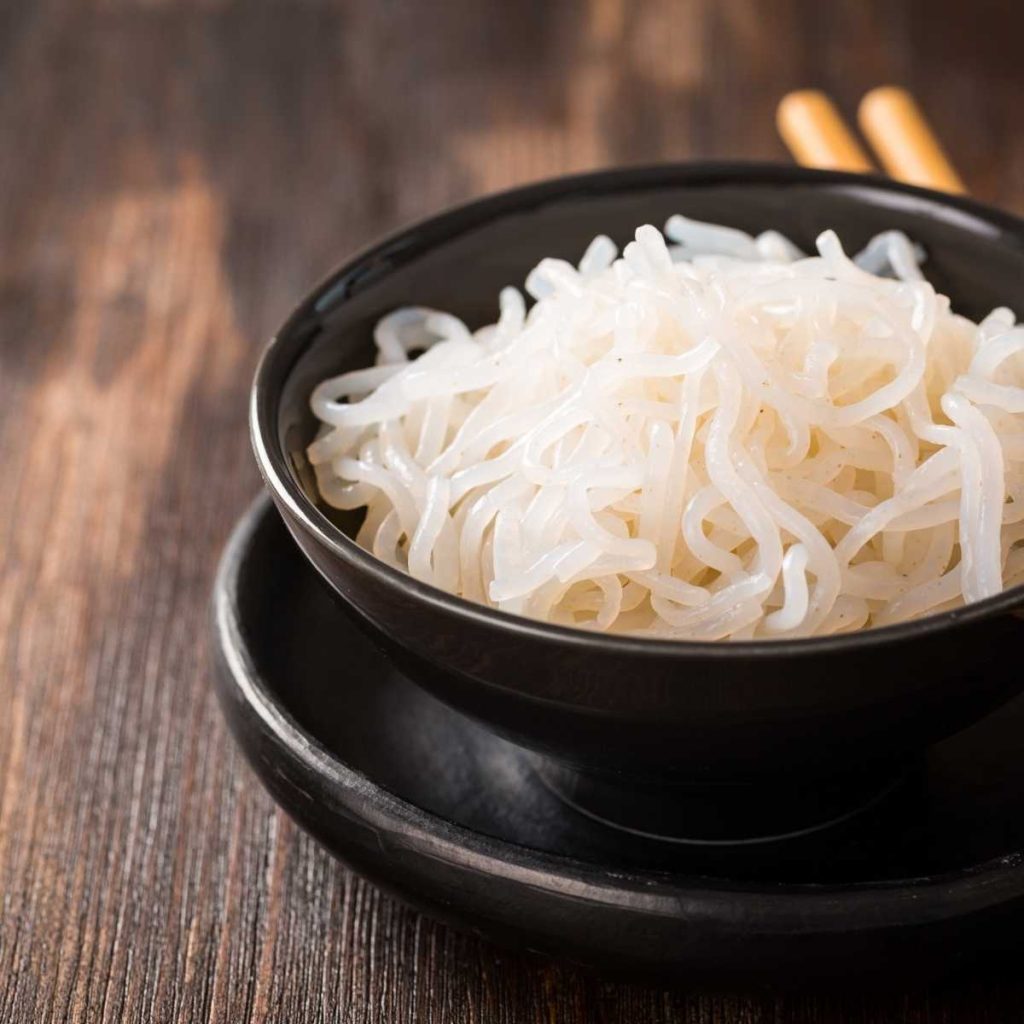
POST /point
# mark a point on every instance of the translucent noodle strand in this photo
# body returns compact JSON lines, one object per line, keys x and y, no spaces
{"x":712,"y":436}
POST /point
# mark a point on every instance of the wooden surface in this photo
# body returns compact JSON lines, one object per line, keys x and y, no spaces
{"x":172,"y":177}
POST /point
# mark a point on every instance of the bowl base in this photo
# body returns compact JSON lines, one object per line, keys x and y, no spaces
{"x":771,"y":811}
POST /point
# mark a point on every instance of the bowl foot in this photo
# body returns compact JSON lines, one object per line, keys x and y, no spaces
{"x":769,"y":811}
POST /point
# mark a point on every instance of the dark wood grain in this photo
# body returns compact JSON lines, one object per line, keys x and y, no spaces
{"x":172,"y":177}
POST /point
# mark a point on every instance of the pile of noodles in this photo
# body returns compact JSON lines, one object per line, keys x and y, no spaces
{"x":714,"y":437}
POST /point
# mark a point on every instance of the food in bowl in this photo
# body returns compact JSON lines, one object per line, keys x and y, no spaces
{"x":713,"y":436}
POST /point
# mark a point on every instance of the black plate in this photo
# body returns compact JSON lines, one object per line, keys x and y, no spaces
{"x":435,"y":808}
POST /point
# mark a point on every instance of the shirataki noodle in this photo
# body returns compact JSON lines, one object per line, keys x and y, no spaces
{"x":710,"y":437}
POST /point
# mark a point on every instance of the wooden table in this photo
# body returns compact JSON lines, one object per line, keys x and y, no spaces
{"x":173,"y":176}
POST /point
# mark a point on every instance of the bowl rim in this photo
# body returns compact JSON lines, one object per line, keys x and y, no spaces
{"x":287,"y":344}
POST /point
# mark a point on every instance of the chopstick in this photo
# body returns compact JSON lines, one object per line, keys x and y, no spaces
{"x":817,"y":136}
{"x":906,"y":145}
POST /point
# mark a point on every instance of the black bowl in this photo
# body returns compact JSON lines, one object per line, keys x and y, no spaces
{"x":610,"y":714}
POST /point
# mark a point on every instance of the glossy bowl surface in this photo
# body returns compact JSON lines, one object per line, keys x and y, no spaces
{"x":692,"y":712}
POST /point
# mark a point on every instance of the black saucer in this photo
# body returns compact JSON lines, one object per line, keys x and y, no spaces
{"x":433,"y":807}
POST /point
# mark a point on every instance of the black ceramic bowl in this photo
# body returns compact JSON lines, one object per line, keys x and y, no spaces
{"x":609,"y":710}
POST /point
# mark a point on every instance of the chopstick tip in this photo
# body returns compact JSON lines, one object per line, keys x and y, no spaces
{"x":882,"y":95}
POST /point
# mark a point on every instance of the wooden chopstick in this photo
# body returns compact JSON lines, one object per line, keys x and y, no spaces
{"x":816,"y":134}
{"x":897,"y":129}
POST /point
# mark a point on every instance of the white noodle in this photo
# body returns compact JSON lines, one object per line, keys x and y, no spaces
{"x":717,"y":438}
